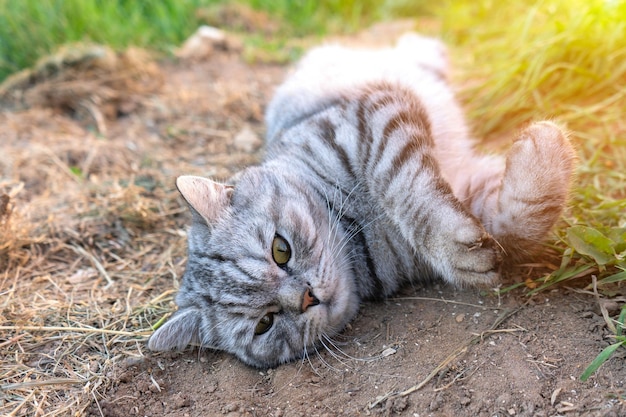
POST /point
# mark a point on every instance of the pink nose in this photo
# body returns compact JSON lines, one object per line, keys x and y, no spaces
{"x":309,"y":300}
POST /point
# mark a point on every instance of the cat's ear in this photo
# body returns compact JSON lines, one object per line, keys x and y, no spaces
{"x":181,"y":329}
{"x":208,"y":198}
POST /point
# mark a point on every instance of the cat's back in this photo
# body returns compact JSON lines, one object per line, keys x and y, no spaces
{"x":330,"y":73}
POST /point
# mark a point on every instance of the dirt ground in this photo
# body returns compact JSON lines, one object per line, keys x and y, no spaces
{"x":432,"y":351}
{"x":527,"y":366}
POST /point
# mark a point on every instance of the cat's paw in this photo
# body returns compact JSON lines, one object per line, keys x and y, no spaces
{"x":534,"y":188}
{"x":540,"y":162}
{"x":472,"y":256}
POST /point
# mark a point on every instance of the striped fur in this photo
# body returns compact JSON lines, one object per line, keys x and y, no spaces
{"x":371,"y":179}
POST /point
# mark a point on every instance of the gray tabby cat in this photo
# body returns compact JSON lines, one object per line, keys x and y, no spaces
{"x":369,"y":181}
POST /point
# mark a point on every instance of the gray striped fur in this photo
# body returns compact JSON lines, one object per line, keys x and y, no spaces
{"x":371,"y":178}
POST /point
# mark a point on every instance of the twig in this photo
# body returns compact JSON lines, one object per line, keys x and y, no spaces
{"x":605,"y":313}
{"x":488,"y":332}
{"x":30,"y":384}
{"x":60,"y":164}
{"x":22,"y":404}
{"x":95,"y":113}
{"x":441,"y":300}
{"x":544,"y":363}
{"x":74,"y":329}
{"x":458,"y":377}
{"x":12,"y":340}
{"x":93,"y":394}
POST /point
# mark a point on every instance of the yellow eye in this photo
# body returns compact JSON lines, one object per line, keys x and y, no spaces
{"x":264,"y":324}
{"x":281,"y":252}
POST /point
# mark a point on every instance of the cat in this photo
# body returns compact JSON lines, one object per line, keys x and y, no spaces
{"x":369,"y":181}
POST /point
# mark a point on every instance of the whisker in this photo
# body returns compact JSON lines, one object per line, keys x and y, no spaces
{"x":328,"y":365}
{"x":346,"y":355}
{"x":306,"y":341}
{"x":313,"y":368}
{"x":334,"y":222}
{"x":354,"y":232}
{"x":337,"y":357}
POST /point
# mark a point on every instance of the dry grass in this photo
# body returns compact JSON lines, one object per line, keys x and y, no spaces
{"x":88,"y":79}
{"x":77,"y":289}
{"x":92,"y":237}
{"x":84,"y":231}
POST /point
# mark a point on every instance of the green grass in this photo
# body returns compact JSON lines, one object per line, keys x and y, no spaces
{"x":307,"y":17}
{"x":516,"y":61}
{"x":30,"y":29}
{"x":618,"y":330}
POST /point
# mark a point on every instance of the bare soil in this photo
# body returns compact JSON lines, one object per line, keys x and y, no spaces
{"x":527,"y":366}
{"x":478,"y":353}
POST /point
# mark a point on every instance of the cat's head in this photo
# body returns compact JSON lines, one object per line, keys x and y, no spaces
{"x":267,"y":274}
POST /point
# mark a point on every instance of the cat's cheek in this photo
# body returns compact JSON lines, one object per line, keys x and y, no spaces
{"x":342,"y":305}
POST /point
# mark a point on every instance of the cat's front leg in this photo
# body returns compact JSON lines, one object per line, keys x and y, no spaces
{"x":437,"y":226}
{"x":397,"y":158}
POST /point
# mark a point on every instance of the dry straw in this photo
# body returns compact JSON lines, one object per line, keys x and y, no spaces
{"x":85,"y":78}
{"x":83,"y":232}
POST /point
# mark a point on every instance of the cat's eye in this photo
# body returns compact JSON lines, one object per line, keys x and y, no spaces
{"x":264,"y":324}
{"x":281,"y":252}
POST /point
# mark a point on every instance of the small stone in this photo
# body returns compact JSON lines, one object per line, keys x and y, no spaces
{"x":503,"y":399}
{"x":180,"y":400}
{"x":230,"y":408}
{"x":554,"y":396}
{"x":201,"y":44}
{"x":436,"y":403}
{"x":388,"y":352}
{"x":212,"y":387}
{"x":399,"y":405}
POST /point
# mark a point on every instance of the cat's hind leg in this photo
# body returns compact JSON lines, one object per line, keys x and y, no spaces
{"x":521,"y":201}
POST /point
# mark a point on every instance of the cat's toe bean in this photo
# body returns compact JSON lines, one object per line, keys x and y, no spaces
{"x":469,"y":234}
{"x":474,"y":260}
